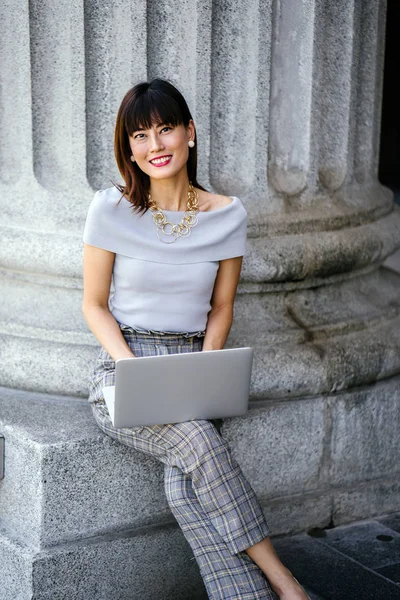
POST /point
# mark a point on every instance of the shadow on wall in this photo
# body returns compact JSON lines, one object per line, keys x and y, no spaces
{"x":389,"y":158}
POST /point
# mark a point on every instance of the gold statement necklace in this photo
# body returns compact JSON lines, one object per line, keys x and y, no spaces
{"x":168,"y":232}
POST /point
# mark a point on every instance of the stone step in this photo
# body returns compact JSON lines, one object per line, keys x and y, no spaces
{"x":65,"y":480}
{"x":69,"y":489}
{"x":147,"y":564}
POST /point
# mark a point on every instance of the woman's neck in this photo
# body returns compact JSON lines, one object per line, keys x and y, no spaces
{"x":171,"y":193}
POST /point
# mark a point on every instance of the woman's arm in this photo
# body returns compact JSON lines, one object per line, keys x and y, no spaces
{"x":97,"y":273}
{"x":220,"y":316}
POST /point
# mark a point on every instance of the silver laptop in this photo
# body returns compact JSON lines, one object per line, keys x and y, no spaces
{"x":173,"y":388}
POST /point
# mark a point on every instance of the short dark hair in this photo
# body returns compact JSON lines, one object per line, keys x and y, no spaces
{"x":147,"y":103}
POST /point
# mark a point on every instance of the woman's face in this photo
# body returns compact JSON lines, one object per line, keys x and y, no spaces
{"x":161,"y":151}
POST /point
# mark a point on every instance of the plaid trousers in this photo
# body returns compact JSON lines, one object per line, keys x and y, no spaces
{"x":212,"y":501}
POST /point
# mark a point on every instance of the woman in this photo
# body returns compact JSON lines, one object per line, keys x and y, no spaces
{"x":174,"y":254}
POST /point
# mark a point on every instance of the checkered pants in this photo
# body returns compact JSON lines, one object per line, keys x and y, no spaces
{"x":210,"y":498}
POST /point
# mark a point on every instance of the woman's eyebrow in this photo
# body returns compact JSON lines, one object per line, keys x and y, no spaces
{"x":140,"y":128}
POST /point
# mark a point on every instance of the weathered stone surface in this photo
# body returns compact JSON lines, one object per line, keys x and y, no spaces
{"x":116,"y":51}
{"x":319,"y":251}
{"x":34,"y":364}
{"x":365,"y":430}
{"x":393,"y":262}
{"x":301,"y":241}
{"x":234,"y":81}
{"x":291,"y":94}
{"x":16,"y":148}
{"x":151,"y":563}
{"x":65,"y":480}
{"x":367,"y":499}
{"x":333,"y":574}
{"x":57,"y":63}
{"x":16,"y":569}
{"x":280,"y":447}
{"x":321,"y":339}
{"x":307,"y":341}
{"x":290,"y":514}
{"x":362,"y":542}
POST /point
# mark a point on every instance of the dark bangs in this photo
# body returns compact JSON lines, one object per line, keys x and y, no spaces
{"x":154,"y":107}
{"x":155,"y":102}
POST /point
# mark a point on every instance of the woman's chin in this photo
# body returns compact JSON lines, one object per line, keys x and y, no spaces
{"x":165,"y":172}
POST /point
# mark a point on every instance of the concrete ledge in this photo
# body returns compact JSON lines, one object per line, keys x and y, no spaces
{"x":292,"y":514}
{"x":306,"y":458}
{"x":365,"y":433}
{"x":143,"y":565}
{"x":16,"y":569}
{"x":65,"y":480}
{"x":281,"y":447}
{"x":311,"y":460}
{"x":367,"y":500}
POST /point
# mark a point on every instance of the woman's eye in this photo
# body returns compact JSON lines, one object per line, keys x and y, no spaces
{"x":166,"y":128}
{"x":138,"y":136}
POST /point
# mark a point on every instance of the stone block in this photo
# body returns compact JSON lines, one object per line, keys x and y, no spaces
{"x":33,"y":364}
{"x":292,"y":514}
{"x":366,"y":500}
{"x":280,"y":446}
{"x":152,"y":563}
{"x":365,"y":428}
{"x":281,"y":371}
{"x":65,"y":480}
{"x":16,"y":569}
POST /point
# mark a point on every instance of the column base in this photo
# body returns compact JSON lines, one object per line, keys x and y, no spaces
{"x":321,"y":339}
{"x":130,"y":566}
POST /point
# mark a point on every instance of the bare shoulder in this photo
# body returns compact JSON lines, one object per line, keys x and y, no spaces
{"x":209,"y":201}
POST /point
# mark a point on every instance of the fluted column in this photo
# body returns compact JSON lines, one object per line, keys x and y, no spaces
{"x":286,"y":100}
{"x":324,"y":316}
{"x":291,"y":95}
{"x":116,"y":55}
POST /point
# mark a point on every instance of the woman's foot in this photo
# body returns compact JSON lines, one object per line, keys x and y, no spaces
{"x":280,"y":578}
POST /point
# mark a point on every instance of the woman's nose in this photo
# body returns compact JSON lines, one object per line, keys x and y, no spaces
{"x":156,"y":142}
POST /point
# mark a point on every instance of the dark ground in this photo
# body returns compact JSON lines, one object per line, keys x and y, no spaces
{"x":360,"y":561}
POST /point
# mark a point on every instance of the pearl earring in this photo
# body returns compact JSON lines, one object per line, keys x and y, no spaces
{"x":132,"y":158}
{"x":191,"y":144}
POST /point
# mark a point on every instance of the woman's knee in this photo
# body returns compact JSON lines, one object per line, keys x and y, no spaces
{"x":177,"y":486}
{"x":202,"y":441}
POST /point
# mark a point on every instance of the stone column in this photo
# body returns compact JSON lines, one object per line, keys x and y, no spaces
{"x":286,"y":97}
{"x":315,"y":301}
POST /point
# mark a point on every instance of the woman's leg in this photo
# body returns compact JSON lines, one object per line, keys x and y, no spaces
{"x":226,"y":576}
{"x":228,"y":500}
{"x":223,"y":493}
{"x":200,"y":452}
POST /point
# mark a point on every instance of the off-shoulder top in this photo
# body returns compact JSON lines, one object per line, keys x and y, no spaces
{"x":157,"y":286}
